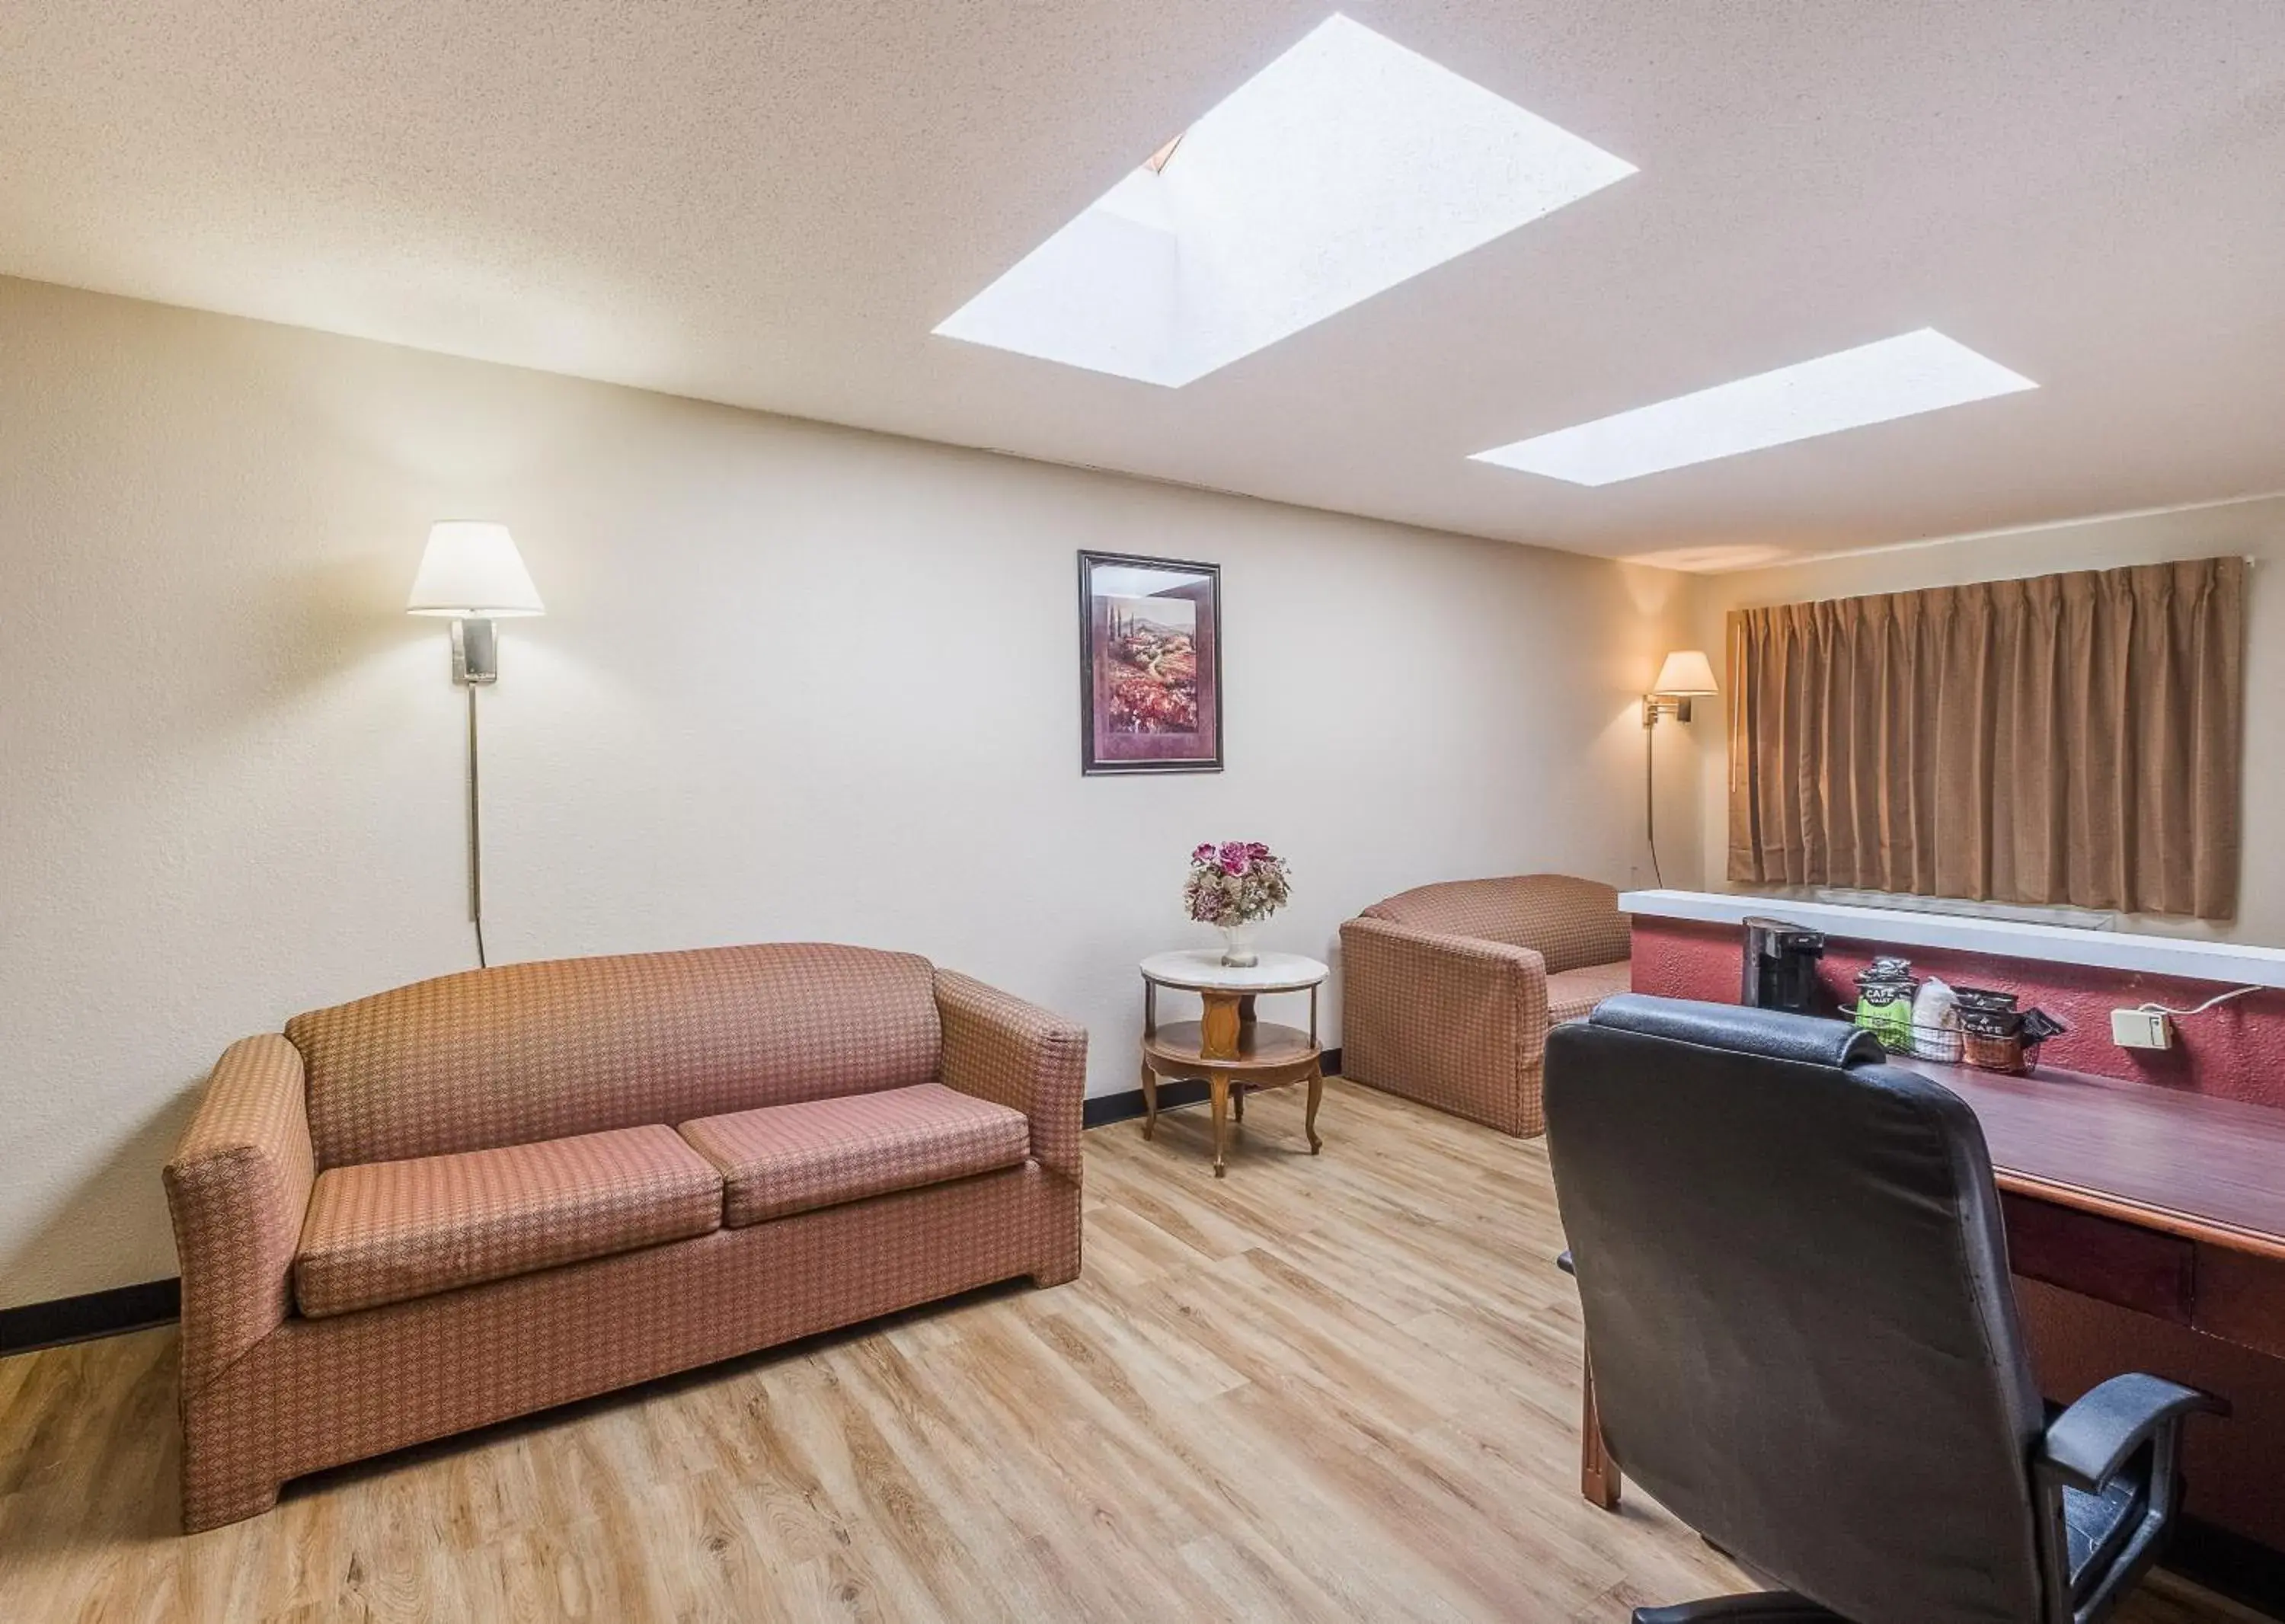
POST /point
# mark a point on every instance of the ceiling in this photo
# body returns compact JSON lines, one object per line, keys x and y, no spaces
{"x":773,"y":204}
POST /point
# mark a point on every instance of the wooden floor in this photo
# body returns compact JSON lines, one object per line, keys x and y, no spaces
{"x":1338,"y":1388}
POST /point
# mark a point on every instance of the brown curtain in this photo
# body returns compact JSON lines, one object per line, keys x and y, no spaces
{"x":2066,"y":739}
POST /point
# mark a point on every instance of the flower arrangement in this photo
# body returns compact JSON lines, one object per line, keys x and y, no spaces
{"x":1233,"y":885}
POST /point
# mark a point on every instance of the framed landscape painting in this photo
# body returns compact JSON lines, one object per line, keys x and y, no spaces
{"x":1150,"y":664}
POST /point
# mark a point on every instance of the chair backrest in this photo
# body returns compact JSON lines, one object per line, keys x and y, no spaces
{"x":1795,"y":1279}
{"x":528,"y":1052}
{"x":1570,"y":922}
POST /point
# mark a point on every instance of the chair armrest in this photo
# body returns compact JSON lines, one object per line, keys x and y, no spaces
{"x":2086,"y":1444}
{"x":1437,"y":962}
{"x":237,"y":1188}
{"x":1456,"y":1021}
{"x":1764,"y":1607}
{"x":1000,"y":1049}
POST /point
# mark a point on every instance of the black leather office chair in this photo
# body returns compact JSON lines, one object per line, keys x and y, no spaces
{"x":1795,"y":1279}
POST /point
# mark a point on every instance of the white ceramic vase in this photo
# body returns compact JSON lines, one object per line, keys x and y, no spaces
{"x":1237,"y":946}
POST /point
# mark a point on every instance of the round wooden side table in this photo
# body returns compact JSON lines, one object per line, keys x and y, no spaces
{"x":1228,"y":1047}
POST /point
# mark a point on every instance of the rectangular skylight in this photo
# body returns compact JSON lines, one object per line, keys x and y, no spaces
{"x":1873,"y":383}
{"x":1347,"y":165}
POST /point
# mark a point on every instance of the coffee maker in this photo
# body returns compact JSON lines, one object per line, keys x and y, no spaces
{"x":1780,"y":967}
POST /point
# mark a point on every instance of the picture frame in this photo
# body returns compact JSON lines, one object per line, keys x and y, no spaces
{"x":1151,"y":663}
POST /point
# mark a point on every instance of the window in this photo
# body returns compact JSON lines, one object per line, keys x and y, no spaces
{"x":2068,"y":738}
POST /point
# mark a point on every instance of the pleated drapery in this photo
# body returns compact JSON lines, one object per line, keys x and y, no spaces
{"x":2065,"y":738}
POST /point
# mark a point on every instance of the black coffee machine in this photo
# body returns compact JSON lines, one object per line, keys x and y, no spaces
{"x":1781,"y":967}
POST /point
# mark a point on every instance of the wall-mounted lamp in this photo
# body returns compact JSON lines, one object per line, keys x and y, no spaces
{"x":472,"y":572}
{"x":1686,"y":675}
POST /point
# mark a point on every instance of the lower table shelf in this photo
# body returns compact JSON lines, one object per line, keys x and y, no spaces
{"x":1262,"y":1055}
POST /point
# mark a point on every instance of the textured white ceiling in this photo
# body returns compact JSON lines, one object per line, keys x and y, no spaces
{"x":773,"y":204}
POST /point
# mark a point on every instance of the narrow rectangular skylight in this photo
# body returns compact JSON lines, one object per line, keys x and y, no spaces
{"x":1874,"y":383}
{"x":1347,"y":165}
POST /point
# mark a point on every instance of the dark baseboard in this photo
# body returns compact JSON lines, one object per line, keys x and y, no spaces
{"x":1105,"y":1108}
{"x":97,"y":1314}
{"x":2231,"y":1565}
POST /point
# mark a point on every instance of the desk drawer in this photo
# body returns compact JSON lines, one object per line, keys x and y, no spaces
{"x":2101,"y":1257}
{"x":2242,"y":1299}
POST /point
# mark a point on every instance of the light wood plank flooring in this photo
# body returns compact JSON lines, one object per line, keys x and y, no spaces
{"x":1338,"y":1388}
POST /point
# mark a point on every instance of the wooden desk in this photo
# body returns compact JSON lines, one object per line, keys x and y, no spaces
{"x":2185,"y":1165}
{"x":2168,"y":1203}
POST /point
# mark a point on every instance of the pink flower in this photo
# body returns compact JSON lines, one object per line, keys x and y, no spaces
{"x":1236,"y":858}
{"x":1203,"y":854}
{"x":1257,"y":850}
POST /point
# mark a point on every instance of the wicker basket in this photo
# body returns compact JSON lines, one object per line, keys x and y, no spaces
{"x":1912,"y":1038}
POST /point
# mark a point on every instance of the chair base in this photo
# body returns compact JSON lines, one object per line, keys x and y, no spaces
{"x":1761,"y":1607}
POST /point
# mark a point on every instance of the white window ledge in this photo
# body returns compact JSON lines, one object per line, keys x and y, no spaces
{"x":2236,"y":963}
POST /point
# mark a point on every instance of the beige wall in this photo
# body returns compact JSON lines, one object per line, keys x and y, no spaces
{"x":794,"y":682}
{"x":2254,"y":528}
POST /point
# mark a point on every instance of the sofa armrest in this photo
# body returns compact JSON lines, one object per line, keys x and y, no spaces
{"x":237,"y":1188}
{"x":1454,"y":1021}
{"x":1000,"y":1049}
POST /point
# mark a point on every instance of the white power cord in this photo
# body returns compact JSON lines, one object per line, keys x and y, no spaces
{"x":2219,"y":998}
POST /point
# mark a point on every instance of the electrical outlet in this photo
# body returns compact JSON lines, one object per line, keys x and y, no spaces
{"x":2141,"y":1029}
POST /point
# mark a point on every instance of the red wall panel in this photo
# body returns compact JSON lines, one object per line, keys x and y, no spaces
{"x":2236,"y":1051}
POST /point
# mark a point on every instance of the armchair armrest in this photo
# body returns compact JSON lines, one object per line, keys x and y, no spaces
{"x":1434,"y":965}
{"x":237,"y":1188}
{"x":1000,"y":1049}
{"x":1456,"y":1022}
{"x":2086,"y":1444}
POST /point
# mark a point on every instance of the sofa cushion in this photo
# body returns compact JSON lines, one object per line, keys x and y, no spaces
{"x":388,"y":1231}
{"x":526,"y":1051}
{"x":782,"y":1159}
{"x":1572,"y":995}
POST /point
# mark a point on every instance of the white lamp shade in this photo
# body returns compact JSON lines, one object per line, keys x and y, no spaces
{"x":1686,"y":671}
{"x":472,"y":571}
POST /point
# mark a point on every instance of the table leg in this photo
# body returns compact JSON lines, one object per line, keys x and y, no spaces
{"x":1218,"y":1084}
{"x":1220,"y":1025}
{"x":1150,"y":1100}
{"x":1599,"y":1478}
{"x":1237,"y":1104}
{"x":1309,"y":1122}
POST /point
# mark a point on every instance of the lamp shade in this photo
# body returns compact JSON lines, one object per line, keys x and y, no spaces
{"x":1686,"y":671}
{"x":472,"y":571}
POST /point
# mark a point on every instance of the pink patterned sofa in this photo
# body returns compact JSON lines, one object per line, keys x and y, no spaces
{"x":1447,"y":990}
{"x":481,"y":1195}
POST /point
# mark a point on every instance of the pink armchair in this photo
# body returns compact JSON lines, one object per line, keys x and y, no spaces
{"x":1448,"y":990}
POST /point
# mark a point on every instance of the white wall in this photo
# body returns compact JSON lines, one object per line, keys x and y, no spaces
{"x":794,"y":682}
{"x":2255,"y":529}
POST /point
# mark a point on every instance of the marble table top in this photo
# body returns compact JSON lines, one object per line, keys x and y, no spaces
{"x":1201,"y":970}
